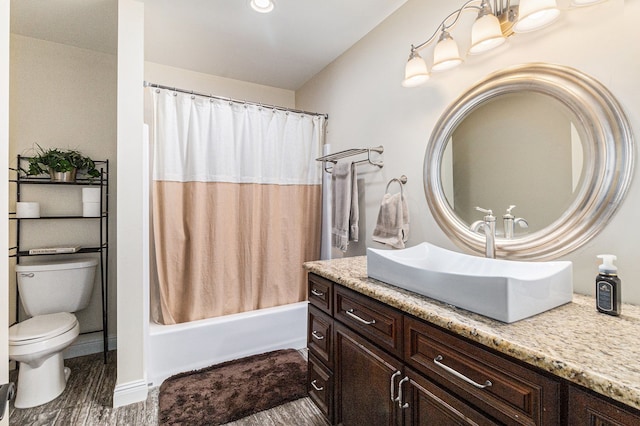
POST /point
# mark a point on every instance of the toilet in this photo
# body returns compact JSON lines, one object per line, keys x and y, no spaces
{"x":49,"y":292}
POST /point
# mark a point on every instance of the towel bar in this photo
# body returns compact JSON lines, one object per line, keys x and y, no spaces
{"x":333,"y":158}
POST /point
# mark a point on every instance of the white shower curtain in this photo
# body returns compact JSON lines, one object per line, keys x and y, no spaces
{"x":237,"y":202}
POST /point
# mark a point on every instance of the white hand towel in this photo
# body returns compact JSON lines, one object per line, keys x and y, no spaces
{"x":344,"y":190}
{"x":392,"y":227}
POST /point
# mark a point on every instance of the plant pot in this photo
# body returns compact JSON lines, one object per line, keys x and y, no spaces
{"x":69,"y":176}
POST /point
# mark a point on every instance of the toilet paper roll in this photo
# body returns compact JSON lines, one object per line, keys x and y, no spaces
{"x":26,"y":209}
{"x":91,"y":209}
{"x":91,"y":195}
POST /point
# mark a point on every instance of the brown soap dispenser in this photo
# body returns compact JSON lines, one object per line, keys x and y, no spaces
{"x":608,"y":286}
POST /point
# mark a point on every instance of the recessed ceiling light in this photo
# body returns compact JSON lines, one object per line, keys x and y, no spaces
{"x":262,"y":6}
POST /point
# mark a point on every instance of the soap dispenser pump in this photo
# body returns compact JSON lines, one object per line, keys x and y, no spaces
{"x":608,"y":286}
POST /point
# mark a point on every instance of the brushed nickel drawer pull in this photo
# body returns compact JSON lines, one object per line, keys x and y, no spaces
{"x":439,"y":358}
{"x":319,"y":389}
{"x":316,"y":292}
{"x":317,"y":335}
{"x":393,"y":387}
{"x":357,"y":318}
{"x":399,"y":399}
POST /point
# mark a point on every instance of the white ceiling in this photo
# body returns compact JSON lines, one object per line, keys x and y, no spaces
{"x":221,"y":37}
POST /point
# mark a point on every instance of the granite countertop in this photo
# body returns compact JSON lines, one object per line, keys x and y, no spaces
{"x":573,"y":341}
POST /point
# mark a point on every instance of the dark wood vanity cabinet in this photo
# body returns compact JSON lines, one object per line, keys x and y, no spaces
{"x":320,"y":337}
{"x":371,"y":364}
{"x":588,"y":409}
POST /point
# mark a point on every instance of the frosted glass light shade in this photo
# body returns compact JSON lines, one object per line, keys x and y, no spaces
{"x":446,"y":54}
{"x":415,"y":72}
{"x":262,"y":6}
{"x":486,"y":34}
{"x":535,"y":14}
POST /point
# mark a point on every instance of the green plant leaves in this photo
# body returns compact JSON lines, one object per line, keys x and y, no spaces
{"x":59,"y":160}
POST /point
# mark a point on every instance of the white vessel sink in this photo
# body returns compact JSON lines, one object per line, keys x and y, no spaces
{"x":500,"y":289}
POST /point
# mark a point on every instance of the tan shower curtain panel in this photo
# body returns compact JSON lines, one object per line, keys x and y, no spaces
{"x":245,"y":255}
{"x":229,"y":237}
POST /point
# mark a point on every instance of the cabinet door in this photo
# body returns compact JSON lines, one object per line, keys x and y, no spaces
{"x":590,"y":410}
{"x":425,"y":403}
{"x":365,"y":380}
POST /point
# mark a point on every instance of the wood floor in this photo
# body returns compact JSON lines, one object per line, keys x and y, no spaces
{"x":87,"y":400}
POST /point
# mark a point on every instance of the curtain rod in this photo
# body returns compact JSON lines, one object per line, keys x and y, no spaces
{"x":191,"y":92}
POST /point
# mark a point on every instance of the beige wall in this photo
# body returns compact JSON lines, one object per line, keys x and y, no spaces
{"x":367,"y":107}
{"x":186,"y":79}
{"x":64,"y":96}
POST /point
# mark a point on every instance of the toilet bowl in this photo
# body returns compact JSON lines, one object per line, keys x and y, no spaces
{"x":37,"y":344}
{"x":49,"y":292}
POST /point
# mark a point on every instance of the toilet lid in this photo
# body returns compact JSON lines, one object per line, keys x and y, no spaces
{"x":41,"y":327}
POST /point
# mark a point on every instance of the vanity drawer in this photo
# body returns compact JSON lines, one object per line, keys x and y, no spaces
{"x":515,"y":395}
{"x":320,"y":387}
{"x":320,"y":335}
{"x":320,"y":293}
{"x":378,"y":322}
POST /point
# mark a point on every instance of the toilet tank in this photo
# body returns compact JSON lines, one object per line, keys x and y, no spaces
{"x":56,"y":286}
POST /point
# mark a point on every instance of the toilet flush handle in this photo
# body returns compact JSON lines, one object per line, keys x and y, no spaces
{"x":27,"y":275}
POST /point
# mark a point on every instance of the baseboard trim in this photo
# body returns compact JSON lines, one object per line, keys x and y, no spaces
{"x":130,"y":393}
{"x":88,"y":344}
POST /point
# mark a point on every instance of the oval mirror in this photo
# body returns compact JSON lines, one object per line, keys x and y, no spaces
{"x":547,"y":139}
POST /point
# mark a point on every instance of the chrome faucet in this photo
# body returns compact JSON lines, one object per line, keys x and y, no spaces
{"x":511,"y":221}
{"x":488,"y":223}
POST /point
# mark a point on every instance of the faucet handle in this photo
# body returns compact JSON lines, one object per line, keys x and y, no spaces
{"x":508,"y":215}
{"x":485,"y":211}
{"x":488,"y":212}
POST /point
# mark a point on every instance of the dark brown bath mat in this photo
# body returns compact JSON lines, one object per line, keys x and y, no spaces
{"x":233,"y":390}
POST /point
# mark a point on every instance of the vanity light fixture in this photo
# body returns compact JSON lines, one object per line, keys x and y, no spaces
{"x":490,"y":30}
{"x":535,"y":14}
{"x":446,"y":54}
{"x":262,"y":6}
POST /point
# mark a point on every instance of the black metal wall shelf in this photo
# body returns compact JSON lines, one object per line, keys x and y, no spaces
{"x":102,"y":248}
{"x":47,"y":181}
{"x":57,"y":217}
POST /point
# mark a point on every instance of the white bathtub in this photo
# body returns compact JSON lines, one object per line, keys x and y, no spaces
{"x":183,"y":347}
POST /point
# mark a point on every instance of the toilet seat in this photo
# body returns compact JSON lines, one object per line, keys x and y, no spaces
{"x":41,"y":328}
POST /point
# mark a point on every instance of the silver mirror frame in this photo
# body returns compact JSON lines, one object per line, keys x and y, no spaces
{"x":608,"y":149}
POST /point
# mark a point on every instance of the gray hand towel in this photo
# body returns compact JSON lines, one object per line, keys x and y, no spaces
{"x":392,"y":227}
{"x":344,"y":187}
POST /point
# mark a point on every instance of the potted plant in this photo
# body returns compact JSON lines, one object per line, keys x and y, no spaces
{"x":61,"y":164}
